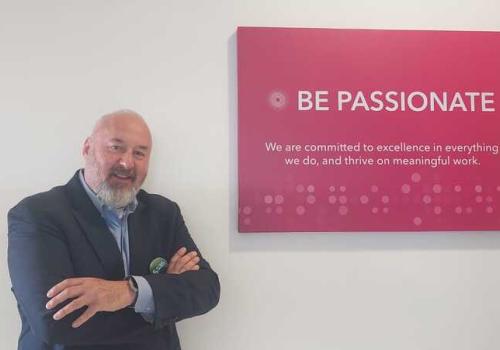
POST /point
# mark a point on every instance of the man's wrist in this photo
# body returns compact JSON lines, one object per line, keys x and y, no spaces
{"x":133,"y":290}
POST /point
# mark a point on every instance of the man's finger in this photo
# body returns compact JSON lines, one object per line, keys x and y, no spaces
{"x":74,"y":305}
{"x":178,"y":254}
{"x":68,"y":293}
{"x":184,"y":260}
{"x":84,"y":317}
{"x":190,"y":264}
{"x":63,"y":285}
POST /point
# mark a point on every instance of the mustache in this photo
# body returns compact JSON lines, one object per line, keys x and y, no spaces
{"x":121,"y":171}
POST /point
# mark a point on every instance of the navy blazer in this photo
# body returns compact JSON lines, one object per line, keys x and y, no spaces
{"x":60,"y":234}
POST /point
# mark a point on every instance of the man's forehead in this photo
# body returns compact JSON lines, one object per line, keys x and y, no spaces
{"x":122,"y":122}
{"x":124,"y":128}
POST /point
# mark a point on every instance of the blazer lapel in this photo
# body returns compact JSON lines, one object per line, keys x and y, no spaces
{"x":139,"y":241}
{"x":95,"y":229}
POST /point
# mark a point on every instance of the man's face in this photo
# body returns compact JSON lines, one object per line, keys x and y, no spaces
{"x":117,"y":158}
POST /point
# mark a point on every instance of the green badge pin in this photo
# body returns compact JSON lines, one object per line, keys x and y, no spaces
{"x":158,"y":265}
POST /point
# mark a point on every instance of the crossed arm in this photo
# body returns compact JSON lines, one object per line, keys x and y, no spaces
{"x":102,"y":295}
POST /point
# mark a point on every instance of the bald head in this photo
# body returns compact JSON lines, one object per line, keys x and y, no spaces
{"x":117,"y":156}
{"x":120,"y":119}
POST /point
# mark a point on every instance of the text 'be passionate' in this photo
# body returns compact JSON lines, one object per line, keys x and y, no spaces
{"x":396,"y":101}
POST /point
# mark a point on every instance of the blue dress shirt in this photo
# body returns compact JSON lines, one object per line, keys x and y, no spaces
{"x":116,"y":220}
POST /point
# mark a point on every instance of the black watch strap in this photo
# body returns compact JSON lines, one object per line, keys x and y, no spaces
{"x":132,"y":283}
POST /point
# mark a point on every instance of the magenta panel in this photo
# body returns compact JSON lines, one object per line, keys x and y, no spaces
{"x":368,"y":130}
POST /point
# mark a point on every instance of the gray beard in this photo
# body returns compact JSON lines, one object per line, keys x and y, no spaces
{"x":115,"y":198}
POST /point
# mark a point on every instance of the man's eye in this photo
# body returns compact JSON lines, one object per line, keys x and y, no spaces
{"x":139,"y":154}
{"x":115,"y":147}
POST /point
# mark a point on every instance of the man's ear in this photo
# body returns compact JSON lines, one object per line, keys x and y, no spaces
{"x":86,"y":147}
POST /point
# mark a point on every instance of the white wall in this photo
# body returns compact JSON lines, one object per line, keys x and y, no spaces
{"x":64,"y":63}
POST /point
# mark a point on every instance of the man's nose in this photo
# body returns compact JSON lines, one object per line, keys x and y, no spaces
{"x":126,"y":160}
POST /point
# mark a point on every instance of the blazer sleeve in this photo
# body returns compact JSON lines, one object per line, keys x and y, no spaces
{"x":38,"y":258}
{"x":192,"y":293}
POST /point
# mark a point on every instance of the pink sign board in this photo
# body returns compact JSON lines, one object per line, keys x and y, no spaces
{"x":368,"y":130}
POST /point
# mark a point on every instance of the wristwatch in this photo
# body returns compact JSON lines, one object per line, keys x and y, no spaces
{"x":132,"y":284}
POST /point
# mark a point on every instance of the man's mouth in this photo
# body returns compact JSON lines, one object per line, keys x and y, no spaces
{"x":129,"y":177}
{"x":122,"y":177}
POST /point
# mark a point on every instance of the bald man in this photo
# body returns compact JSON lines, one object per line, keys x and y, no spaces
{"x":83,"y":257}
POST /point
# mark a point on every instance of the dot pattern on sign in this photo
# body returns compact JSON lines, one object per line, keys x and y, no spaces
{"x":246,"y":211}
{"x":417,"y":221}
{"x":405,"y":188}
{"x":311,"y":199}
{"x":274,"y":203}
{"x":427,"y":200}
{"x":437,"y":188}
{"x":343,"y":210}
{"x":300,"y":210}
{"x":279,"y":199}
{"x":416,"y":177}
{"x":339,"y":202}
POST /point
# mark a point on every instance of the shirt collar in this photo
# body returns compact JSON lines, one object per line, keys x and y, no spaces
{"x":101,"y":207}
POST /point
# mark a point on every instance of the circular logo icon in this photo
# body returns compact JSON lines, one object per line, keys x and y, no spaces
{"x":278,"y":100}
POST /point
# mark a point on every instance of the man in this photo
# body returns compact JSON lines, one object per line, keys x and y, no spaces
{"x":82,"y":257}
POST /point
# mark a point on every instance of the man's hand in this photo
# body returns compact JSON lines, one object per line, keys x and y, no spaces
{"x":97,"y":294}
{"x":183,"y":261}
{"x":102,"y":295}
